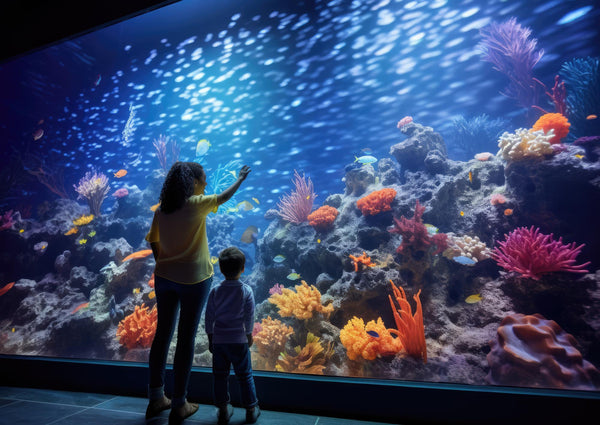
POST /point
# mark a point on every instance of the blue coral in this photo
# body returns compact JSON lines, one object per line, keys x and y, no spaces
{"x":582,"y":80}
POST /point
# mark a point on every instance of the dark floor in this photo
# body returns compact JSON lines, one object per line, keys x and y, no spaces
{"x":30,"y":406}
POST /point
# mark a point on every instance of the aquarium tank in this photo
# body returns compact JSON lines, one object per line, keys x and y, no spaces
{"x":423,"y":203}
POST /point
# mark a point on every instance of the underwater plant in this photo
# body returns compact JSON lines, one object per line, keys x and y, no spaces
{"x":473,"y":135}
{"x":508,"y":47}
{"x":296,"y":206}
{"x":532,"y":254}
{"x":582,"y":78}
{"x":93,"y":187}
{"x":410,"y":328}
{"x":160,"y":145}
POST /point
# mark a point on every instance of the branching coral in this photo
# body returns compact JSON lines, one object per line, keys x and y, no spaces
{"x":322,"y":218}
{"x":295,"y":207}
{"x":415,"y":235}
{"x":300,"y":304}
{"x":376,"y":202}
{"x":411,"y":330}
{"x":271,"y":338}
{"x":93,"y":187}
{"x":525,"y":144}
{"x":532,"y":254}
{"x":137,"y":330}
{"x":467,"y":246}
{"x":363,"y":259}
{"x":370,"y":341}
{"x":308,"y":359}
{"x":557,"y":122}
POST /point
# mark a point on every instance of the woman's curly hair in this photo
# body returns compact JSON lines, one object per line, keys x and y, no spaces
{"x":179,"y":185}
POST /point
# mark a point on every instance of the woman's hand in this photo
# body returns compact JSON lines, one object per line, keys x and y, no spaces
{"x":244,"y":172}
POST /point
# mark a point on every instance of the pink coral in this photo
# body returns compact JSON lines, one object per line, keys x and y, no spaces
{"x":497,"y":198}
{"x":295,"y":207}
{"x":415,"y":234}
{"x":376,"y":202}
{"x":532,"y":254}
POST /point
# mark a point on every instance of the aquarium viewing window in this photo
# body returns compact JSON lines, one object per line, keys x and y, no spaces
{"x":423,"y":203}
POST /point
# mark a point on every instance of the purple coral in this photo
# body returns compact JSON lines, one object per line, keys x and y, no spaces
{"x":508,"y":47}
{"x":532,"y":254}
{"x":93,"y":187}
{"x":296,"y":206}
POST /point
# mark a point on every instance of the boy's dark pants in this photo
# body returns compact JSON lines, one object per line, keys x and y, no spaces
{"x":238,"y":355}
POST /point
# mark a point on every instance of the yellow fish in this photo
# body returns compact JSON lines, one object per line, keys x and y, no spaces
{"x":202,"y":147}
{"x":136,"y":290}
{"x":293,"y":276}
{"x":21,"y":231}
{"x":92,"y":234}
{"x":256,"y":200}
{"x":470,"y":177}
{"x":154,"y":207}
{"x":82,"y":241}
{"x":579,"y":156}
{"x":214,"y":260}
{"x":13,"y":330}
{"x":152,"y":295}
{"x":473,"y":299}
{"x":318,"y":240}
{"x":462,"y":213}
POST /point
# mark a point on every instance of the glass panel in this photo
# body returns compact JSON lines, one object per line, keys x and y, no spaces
{"x":423,"y":202}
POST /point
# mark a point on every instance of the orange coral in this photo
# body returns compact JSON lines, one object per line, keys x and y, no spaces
{"x":300,"y":304}
{"x":323,"y":217}
{"x":376,"y":202}
{"x":363,"y":259}
{"x":359,"y":343}
{"x":308,"y":359}
{"x":137,"y":330}
{"x":271,"y":339}
{"x":410,"y":328}
{"x":555,"y":121}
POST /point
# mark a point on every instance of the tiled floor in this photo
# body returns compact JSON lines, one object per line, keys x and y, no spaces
{"x":30,"y":406}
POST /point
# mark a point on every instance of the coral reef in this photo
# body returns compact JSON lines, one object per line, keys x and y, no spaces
{"x":302,"y":303}
{"x":368,"y":341}
{"x":137,"y":329}
{"x":322,"y":218}
{"x":532,"y":254}
{"x":553,"y":121}
{"x":376,"y":202}
{"x":535,"y":352}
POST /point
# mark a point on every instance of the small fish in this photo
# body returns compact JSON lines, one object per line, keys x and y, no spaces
{"x":579,"y":156}
{"x":21,"y":230}
{"x":82,"y":241}
{"x":38,"y":134}
{"x":92,"y":234}
{"x":373,"y":334}
{"x":508,"y":212}
{"x":71,"y":231}
{"x":202,"y":147}
{"x":80,"y":306}
{"x":244,"y":206}
{"x":461,"y":259}
{"x":473,"y":299}
{"x":365,"y":159}
{"x":250,"y":234}
{"x":214,"y":260}
{"x":293,"y":276}
{"x":13,"y":330}
{"x":431,"y":229}
{"x":470,"y":177}
{"x":318,"y":240}
{"x":591,"y":117}
{"x":152,"y":295}
{"x":136,"y":290}
{"x":120,"y":173}
{"x":138,"y":254}
{"x":307,"y":196}
{"x":279,"y":258}
{"x":6,"y":288}
{"x":256,"y":200}
{"x":154,"y":207}
{"x":462,"y":213}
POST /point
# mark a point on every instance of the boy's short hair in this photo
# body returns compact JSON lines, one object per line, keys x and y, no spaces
{"x":231,"y":262}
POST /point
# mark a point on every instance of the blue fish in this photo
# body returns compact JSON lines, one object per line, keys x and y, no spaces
{"x":461,"y":259}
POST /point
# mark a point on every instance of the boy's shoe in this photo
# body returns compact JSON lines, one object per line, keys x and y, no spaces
{"x":224,"y":413}
{"x":178,"y":414}
{"x":156,"y":406}
{"x":252,"y":414}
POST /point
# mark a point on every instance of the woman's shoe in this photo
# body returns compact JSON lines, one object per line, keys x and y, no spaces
{"x":224,"y":414}
{"x":156,"y":406}
{"x":252,"y":414}
{"x":178,"y":414}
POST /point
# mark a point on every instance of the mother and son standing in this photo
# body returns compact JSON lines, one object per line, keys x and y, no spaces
{"x":183,"y":277}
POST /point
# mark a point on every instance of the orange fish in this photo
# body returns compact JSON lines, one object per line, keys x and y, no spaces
{"x":80,"y":306}
{"x":154,"y":207}
{"x":6,"y":288}
{"x":120,"y":173}
{"x":508,"y":212}
{"x":151,"y":281}
{"x":138,"y":254}
{"x":591,"y":117}
{"x":152,"y":295}
{"x":470,"y":177}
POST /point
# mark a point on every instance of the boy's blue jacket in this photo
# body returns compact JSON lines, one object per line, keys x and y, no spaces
{"x":230,"y":312}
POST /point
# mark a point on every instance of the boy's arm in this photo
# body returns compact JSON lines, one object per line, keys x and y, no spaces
{"x":249,"y":315}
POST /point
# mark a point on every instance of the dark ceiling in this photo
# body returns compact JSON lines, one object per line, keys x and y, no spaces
{"x":27,"y":25}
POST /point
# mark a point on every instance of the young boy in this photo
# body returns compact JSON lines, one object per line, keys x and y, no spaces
{"x":229,"y":322}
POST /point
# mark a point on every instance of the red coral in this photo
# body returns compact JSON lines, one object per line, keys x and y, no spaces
{"x":363,"y":259}
{"x":415,"y":234}
{"x":323,"y":217}
{"x":376,"y":202}
{"x":532,"y":254}
{"x":7,"y":220}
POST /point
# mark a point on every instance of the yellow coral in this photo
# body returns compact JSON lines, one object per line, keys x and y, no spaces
{"x":83,"y":220}
{"x":308,"y":359}
{"x":271,"y":339}
{"x":359,"y":343}
{"x":300,"y":304}
{"x":137,"y":330}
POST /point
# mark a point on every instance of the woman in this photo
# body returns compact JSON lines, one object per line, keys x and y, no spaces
{"x":182,"y":276}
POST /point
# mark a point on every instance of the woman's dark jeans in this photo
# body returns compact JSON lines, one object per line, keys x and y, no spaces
{"x":238,"y":355}
{"x":190,"y":300}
